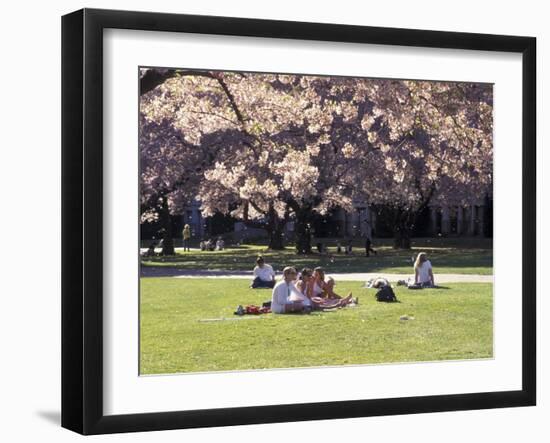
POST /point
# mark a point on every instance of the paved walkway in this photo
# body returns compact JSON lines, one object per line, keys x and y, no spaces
{"x":165,"y":271}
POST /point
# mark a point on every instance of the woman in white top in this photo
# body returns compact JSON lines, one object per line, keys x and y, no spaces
{"x":423,"y":273}
{"x":286,"y":298}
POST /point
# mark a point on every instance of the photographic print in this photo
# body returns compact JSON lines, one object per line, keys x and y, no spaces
{"x":302,"y":220}
{"x":304,"y":199}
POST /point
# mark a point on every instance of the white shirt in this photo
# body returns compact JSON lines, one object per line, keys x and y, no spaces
{"x":265,"y":273}
{"x":283,"y":294}
{"x":424,"y":272}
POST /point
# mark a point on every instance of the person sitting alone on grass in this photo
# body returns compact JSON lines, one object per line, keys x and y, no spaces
{"x":423,"y":273}
{"x":286,"y":298}
{"x":306,"y":287}
{"x":264,"y":276}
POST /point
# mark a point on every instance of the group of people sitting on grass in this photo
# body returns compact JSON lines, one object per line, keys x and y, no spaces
{"x":312,"y":290}
{"x":299,"y":292}
{"x":306,"y":292}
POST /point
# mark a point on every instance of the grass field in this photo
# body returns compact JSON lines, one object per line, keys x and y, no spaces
{"x":177,"y":333}
{"x":461,"y":256}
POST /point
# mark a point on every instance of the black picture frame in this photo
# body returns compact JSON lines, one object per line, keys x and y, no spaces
{"x":82,"y":215}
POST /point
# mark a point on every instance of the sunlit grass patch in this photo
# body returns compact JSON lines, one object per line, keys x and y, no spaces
{"x":187,"y":325}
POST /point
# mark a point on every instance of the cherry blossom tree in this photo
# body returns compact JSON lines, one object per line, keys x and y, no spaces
{"x":267,"y":148}
{"x":168,"y":176}
{"x":298,"y":159}
{"x":435,"y":146}
{"x":269,"y":128}
{"x":171,"y":165}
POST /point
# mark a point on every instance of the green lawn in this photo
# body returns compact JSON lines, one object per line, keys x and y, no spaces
{"x":176,"y":333}
{"x":461,"y":256}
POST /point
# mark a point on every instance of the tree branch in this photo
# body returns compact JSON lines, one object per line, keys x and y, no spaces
{"x":232,"y":101}
{"x":153,"y":78}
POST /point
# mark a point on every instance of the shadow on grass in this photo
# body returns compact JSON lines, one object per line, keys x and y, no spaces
{"x":427,"y":289}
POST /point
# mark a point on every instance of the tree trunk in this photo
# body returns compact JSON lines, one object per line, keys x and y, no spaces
{"x":402,"y":239}
{"x":276,"y":238}
{"x":404,"y":221}
{"x":303,"y":231}
{"x":275,"y":227}
{"x":166,"y":229}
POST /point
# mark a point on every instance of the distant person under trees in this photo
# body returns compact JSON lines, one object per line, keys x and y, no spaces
{"x":186,"y":234}
{"x":368,"y":247}
{"x":264,"y":276}
{"x":207,"y":245}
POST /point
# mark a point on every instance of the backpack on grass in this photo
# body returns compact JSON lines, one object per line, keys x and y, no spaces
{"x":386,"y":294}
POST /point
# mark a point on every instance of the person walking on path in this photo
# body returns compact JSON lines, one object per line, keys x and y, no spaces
{"x":368,"y":247}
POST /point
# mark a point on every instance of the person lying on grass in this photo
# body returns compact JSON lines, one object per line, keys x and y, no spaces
{"x":306,"y":287}
{"x":322,"y":286}
{"x":423,"y":273}
{"x":264,"y":276}
{"x":286,"y":297}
